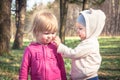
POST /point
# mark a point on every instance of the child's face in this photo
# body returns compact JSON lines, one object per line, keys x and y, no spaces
{"x":81,"y":31}
{"x":45,"y":37}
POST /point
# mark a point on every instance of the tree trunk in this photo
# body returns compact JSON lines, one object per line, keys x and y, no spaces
{"x":5,"y":12}
{"x":85,"y":4}
{"x":20,"y":23}
{"x":63,"y":17}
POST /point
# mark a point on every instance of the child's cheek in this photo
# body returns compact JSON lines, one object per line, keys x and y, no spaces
{"x":53,"y":37}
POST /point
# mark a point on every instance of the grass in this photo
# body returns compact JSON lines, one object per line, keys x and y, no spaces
{"x":109,"y":70}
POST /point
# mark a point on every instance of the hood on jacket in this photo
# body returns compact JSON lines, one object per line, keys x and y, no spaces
{"x":95,"y":21}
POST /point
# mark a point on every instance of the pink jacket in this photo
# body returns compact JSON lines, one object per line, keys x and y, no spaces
{"x":42,"y":62}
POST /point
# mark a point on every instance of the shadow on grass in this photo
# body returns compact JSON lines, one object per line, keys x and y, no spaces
{"x":9,"y":66}
{"x":8,"y":71}
{"x":110,"y":69}
{"x":109,"y":77}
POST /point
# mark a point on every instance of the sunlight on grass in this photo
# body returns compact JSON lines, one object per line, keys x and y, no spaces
{"x":109,"y":57}
{"x":9,"y":65}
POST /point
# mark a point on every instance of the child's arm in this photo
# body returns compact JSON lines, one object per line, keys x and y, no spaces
{"x":24,"y":69}
{"x":80,"y":51}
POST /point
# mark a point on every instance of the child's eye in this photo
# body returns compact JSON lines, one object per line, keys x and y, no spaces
{"x":53,"y":33}
{"x":80,"y":28}
{"x":46,"y":33}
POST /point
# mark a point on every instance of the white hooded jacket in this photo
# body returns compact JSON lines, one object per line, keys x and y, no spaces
{"x":86,"y":58}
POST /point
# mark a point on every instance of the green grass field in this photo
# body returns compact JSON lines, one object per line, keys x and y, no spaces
{"x":109,"y":70}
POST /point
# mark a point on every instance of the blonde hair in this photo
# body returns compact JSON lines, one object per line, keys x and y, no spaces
{"x":44,"y":21}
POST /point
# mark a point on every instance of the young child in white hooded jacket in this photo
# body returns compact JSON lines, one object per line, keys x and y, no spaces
{"x":86,"y":58}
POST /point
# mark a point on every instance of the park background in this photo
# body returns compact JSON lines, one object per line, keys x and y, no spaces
{"x":15,"y":35}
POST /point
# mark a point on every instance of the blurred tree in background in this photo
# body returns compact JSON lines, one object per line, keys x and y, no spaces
{"x":66,"y":12}
{"x":5,"y":9}
{"x":63,"y":17}
{"x":20,"y":23}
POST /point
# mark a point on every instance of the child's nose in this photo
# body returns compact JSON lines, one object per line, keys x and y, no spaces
{"x":50,"y":35}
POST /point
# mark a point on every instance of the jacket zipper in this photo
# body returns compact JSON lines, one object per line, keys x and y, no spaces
{"x":44,"y":56}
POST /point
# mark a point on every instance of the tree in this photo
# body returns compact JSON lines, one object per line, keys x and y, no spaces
{"x":112,"y":11}
{"x":85,"y":4}
{"x":5,"y":12}
{"x":20,"y":23}
{"x":63,"y":17}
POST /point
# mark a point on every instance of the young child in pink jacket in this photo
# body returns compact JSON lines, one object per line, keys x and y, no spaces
{"x":86,"y":58}
{"x":40,"y":58}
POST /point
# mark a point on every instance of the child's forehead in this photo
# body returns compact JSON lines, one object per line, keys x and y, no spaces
{"x":79,"y":25}
{"x":49,"y":32}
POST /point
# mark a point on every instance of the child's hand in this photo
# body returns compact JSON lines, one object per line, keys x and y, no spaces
{"x":57,"y":40}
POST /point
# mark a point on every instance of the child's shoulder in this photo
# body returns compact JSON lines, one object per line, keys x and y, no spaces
{"x":33,"y":45}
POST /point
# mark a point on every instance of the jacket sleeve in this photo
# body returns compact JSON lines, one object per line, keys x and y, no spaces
{"x":81,"y":50}
{"x":61,"y":66}
{"x":24,"y":69}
